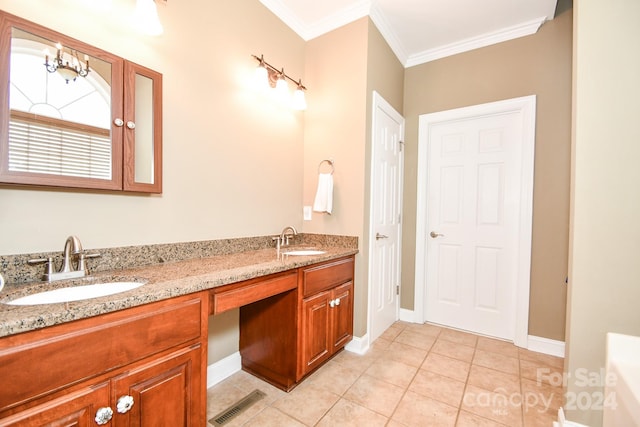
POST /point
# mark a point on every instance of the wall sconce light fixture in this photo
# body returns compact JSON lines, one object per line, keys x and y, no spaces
{"x":67,"y":65}
{"x":277,"y":79}
{"x":146,"y":19}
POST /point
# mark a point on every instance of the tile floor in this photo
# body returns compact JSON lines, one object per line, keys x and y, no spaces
{"x":413,"y":375}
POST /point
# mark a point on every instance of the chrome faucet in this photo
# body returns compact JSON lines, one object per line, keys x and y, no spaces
{"x":285,"y":236}
{"x":72,"y":247}
{"x":283,"y":239}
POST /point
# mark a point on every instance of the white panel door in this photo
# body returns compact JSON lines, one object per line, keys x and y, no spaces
{"x":385,"y":227}
{"x":472,"y":223}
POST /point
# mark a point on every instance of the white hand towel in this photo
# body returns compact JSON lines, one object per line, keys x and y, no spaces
{"x":324,"y":195}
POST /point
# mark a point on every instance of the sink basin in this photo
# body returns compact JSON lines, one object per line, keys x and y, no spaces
{"x":76,"y":293}
{"x":304,"y":252}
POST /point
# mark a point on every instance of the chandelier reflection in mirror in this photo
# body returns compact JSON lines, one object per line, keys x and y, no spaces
{"x":68,"y":65}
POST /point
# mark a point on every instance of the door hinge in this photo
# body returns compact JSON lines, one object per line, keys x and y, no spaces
{"x":401,"y":145}
{"x":397,"y":289}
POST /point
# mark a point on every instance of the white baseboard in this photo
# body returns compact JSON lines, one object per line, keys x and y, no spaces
{"x":408,"y":316}
{"x":546,"y":346}
{"x":224,"y":368}
{"x":358,"y":345}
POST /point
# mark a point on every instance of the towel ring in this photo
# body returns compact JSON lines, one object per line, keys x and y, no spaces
{"x":330,"y":164}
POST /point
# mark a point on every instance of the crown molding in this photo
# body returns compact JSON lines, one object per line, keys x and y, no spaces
{"x":310,"y":31}
{"x":363,"y":8}
{"x":505,"y":34}
{"x":340,"y":18}
{"x":382,"y":24}
{"x":286,"y":15}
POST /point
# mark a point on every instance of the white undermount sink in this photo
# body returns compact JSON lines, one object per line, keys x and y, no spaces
{"x":76,"y":293}
{"x":304,"y":252}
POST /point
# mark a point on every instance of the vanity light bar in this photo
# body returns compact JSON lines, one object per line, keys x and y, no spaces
{"x":275,"y":74}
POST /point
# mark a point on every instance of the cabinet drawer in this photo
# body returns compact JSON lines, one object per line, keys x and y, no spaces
{"x":326,"y":276}
{"x":35,"y":363}
{"x":251,"y":291}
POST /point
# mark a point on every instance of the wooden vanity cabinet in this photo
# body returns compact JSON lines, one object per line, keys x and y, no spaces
{"x":66,"y":374}
{"x":298,"y":325}
{"x":326,"y":312}
{"x":76,"y":408}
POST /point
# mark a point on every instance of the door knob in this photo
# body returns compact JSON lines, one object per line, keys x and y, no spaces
{"x":381,"y":236}
{"x":433,"y":234}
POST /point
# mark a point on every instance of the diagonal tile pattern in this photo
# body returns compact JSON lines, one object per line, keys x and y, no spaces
{"x":413,"y":375}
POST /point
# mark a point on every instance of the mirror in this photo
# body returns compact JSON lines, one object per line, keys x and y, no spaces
{"x":72,"y":115}
{"x":58,"y":126}
{"x":143,"y":153}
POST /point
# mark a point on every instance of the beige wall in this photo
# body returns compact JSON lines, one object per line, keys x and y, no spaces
{"x":604,"y":289}
{"x":540,"y":65}
{"x":344,"y":66}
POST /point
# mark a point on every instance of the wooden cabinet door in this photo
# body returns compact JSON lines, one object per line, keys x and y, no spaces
{"x":76,"y":409}
{"x":142,"y":149}
{"x":342,"y":315}
{"x":165,"y":391}
{"x":316,"y":330}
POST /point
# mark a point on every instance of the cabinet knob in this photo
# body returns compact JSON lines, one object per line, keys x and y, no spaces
{"x":125,"y":403}
{"x":103,"y":415}
{"x":131,"y":125}
{"x":332,"y":303}
{"x":118,"y":122}
{"x":337,"y":300}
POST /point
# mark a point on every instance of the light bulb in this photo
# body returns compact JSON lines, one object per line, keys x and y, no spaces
{"x":282,"y":90}
{"x":261,"y":77}
{"x":145,"y":18}
{"x":299,"y":101}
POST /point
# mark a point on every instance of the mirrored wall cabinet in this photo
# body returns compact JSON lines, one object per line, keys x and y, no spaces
{"x":75,"y":116}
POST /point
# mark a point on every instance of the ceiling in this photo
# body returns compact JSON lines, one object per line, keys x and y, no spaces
{"x":419,"y":31}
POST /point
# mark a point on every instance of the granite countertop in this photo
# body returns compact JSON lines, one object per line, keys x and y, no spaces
{"x":162,"y":281}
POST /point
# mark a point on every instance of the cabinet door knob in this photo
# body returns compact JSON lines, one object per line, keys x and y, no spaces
{"x":103,"y":415}
{"x":131,"y":125}
{"x":125,"y":403}
{"x":332,"y":303}
{"x":337,"y":300}
{"x":118,"y":122}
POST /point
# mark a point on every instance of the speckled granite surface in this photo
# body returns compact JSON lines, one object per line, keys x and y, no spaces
{"x":178,"y":275}
{"x":15,"y":268}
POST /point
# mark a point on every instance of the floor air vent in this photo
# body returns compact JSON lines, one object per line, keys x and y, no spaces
{"x":237,"y":408}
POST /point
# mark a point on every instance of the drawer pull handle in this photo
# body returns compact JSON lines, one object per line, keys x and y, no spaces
{"x":103,"y":415}
{"x":125,"y":403}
